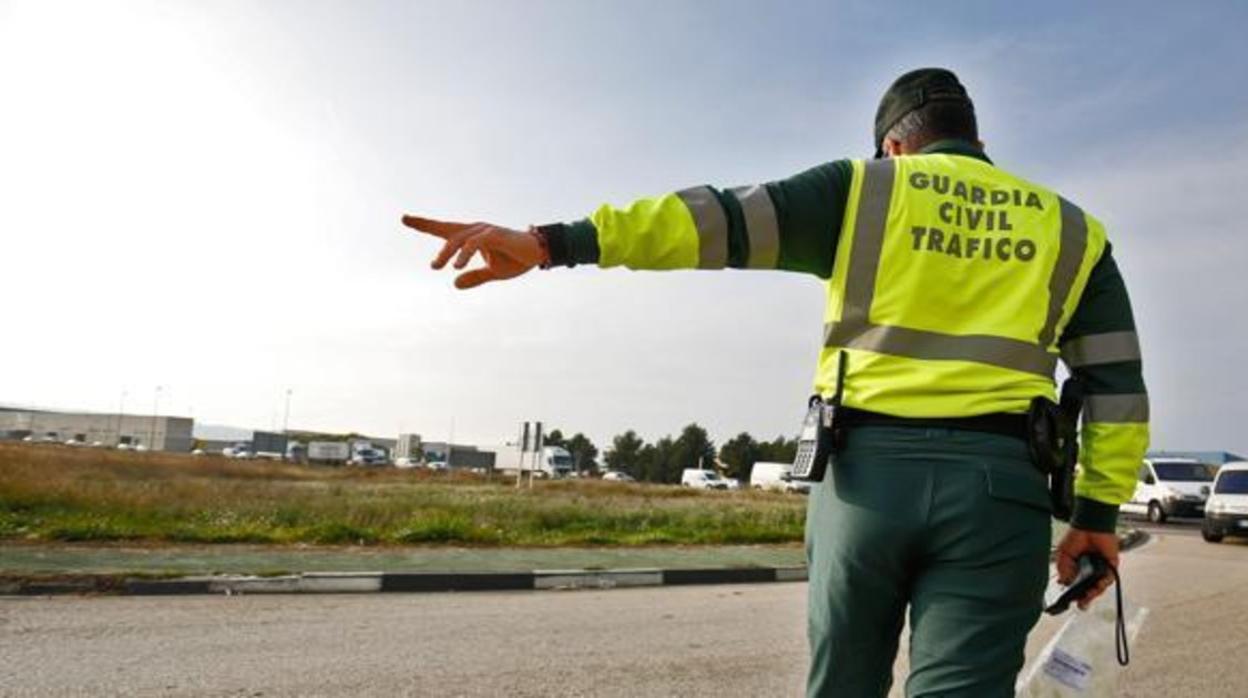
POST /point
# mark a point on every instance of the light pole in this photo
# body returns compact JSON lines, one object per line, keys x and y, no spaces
{"x":286,"y":414}
{"x":151,"y":441}
{"x":450,"y":446}
{"x":121,"y":410}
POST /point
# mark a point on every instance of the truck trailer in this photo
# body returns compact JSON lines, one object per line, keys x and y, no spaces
{"x":328,"y":452}
{"x":552,"y":461}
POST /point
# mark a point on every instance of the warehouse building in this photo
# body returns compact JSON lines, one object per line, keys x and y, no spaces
{"x":153,"y":432}
{"x":409,"y":447}
{"x":267,"y":443}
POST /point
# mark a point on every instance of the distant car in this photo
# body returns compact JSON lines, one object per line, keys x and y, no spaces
{"x":369,"y":457}
{"x":617,"y":476}
{"x":97,"y":444}
{"x":702,"y":479}
{"x":436,"y":465}
{"x":140,"y":447}
{"x":406,"y":462}
{"x":124,"y":447}
{"x":1226,"y":511}
{"x":240,"y":451}
{"x":1171,"y":487}
{"x":733,"y":483}
{"x":198,"y":452}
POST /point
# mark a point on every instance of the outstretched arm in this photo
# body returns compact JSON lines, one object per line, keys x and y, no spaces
{"x":792,"y":224}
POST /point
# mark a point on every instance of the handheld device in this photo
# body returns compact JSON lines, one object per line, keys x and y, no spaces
{"x":814,"y":445}
{"x":1092,"y":569}
{"x":817,"y":443}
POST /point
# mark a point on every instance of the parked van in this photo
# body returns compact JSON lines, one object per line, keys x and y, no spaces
{"x":1171,"y":487}
{"x":1226,"y":511}
{"x":775,"y":476}
{"x":769,"y":476}
{"x":703,"y":479}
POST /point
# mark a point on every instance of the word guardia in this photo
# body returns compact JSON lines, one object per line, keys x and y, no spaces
{"x":972,"y":213}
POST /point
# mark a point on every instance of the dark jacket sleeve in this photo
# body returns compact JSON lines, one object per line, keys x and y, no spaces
{"x":1100,"y":347}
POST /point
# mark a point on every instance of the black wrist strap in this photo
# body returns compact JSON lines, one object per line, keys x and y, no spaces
{"x":1120,"y":628}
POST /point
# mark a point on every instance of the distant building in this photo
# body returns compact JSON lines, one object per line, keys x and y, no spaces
{"x":156,"y":433}
{"x":259,"y":442}
{"x":408,"y":446}
{"x":306,"y":436}
{"x":460,"y":455}
{"x":269,"y":442}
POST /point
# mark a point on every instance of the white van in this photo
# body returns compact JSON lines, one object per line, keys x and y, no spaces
{"x":1171,"y":487}
{"x":702,"y":479}
{"x":1226,"y":512}
{"x":775,"y":476}
{"x":769,"y":476}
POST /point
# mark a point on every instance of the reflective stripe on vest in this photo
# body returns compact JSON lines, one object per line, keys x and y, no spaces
{"x":855,"y":331}
{"x":1074,"y":242}
{"x":712,"y":224}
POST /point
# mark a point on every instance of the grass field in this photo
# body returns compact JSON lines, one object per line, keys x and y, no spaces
{"x":59,"y":493}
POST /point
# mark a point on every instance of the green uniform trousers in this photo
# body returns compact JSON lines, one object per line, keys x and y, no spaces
{"x":955,"y":525}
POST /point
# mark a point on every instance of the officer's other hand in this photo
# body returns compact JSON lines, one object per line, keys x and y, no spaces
{"x":1075,"y":543}
{"x":507,"y":253}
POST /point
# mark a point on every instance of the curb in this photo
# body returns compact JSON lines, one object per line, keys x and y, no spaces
{"x":417,"y":582}
{"x":408,"y":582}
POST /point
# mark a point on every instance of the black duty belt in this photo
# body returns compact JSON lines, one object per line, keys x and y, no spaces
{"x":1002,"y":423}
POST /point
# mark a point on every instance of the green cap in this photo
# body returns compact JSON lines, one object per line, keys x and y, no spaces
{"x":913,"y":90}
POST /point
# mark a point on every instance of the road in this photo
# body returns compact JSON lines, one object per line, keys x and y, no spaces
{"x":686,"y":641}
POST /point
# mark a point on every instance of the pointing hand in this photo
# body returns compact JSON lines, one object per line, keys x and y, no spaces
{"x":507,"y":253}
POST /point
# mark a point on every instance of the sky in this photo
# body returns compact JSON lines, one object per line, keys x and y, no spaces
{"x":205,"y":197}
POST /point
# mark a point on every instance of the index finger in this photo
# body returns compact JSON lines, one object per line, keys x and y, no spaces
{"x":433,"y":226}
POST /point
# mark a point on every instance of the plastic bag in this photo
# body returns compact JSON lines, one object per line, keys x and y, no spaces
{"x":1082,"y":659}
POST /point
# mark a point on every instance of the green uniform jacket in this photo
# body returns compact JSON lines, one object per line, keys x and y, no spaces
{"x":809,"y":209}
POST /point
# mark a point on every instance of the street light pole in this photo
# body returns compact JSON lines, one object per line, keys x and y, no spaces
{"x":121,"y":410}
{"x":450,"y":446}
{"x":286,"y":414}
{"x":151,"y":441}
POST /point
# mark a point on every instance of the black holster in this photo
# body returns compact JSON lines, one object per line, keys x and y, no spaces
{"x":1053,"y":440}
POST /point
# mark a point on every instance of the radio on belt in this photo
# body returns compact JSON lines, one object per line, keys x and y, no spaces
{"x":820,"y":437}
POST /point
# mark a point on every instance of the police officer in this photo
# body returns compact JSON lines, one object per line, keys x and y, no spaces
{"x":953,"y":287}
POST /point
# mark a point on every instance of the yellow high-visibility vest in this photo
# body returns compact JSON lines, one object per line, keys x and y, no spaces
{"x":952,"y":284}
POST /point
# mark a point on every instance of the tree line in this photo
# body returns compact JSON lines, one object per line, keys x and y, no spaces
{"x":664,"y":459}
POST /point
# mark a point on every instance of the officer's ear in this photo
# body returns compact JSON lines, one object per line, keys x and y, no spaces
{"x":892,"y":148}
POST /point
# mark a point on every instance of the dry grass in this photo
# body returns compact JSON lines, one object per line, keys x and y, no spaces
{"x":50,"y":492}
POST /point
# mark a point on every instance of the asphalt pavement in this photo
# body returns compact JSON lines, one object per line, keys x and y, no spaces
{"x":740,"y":640}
